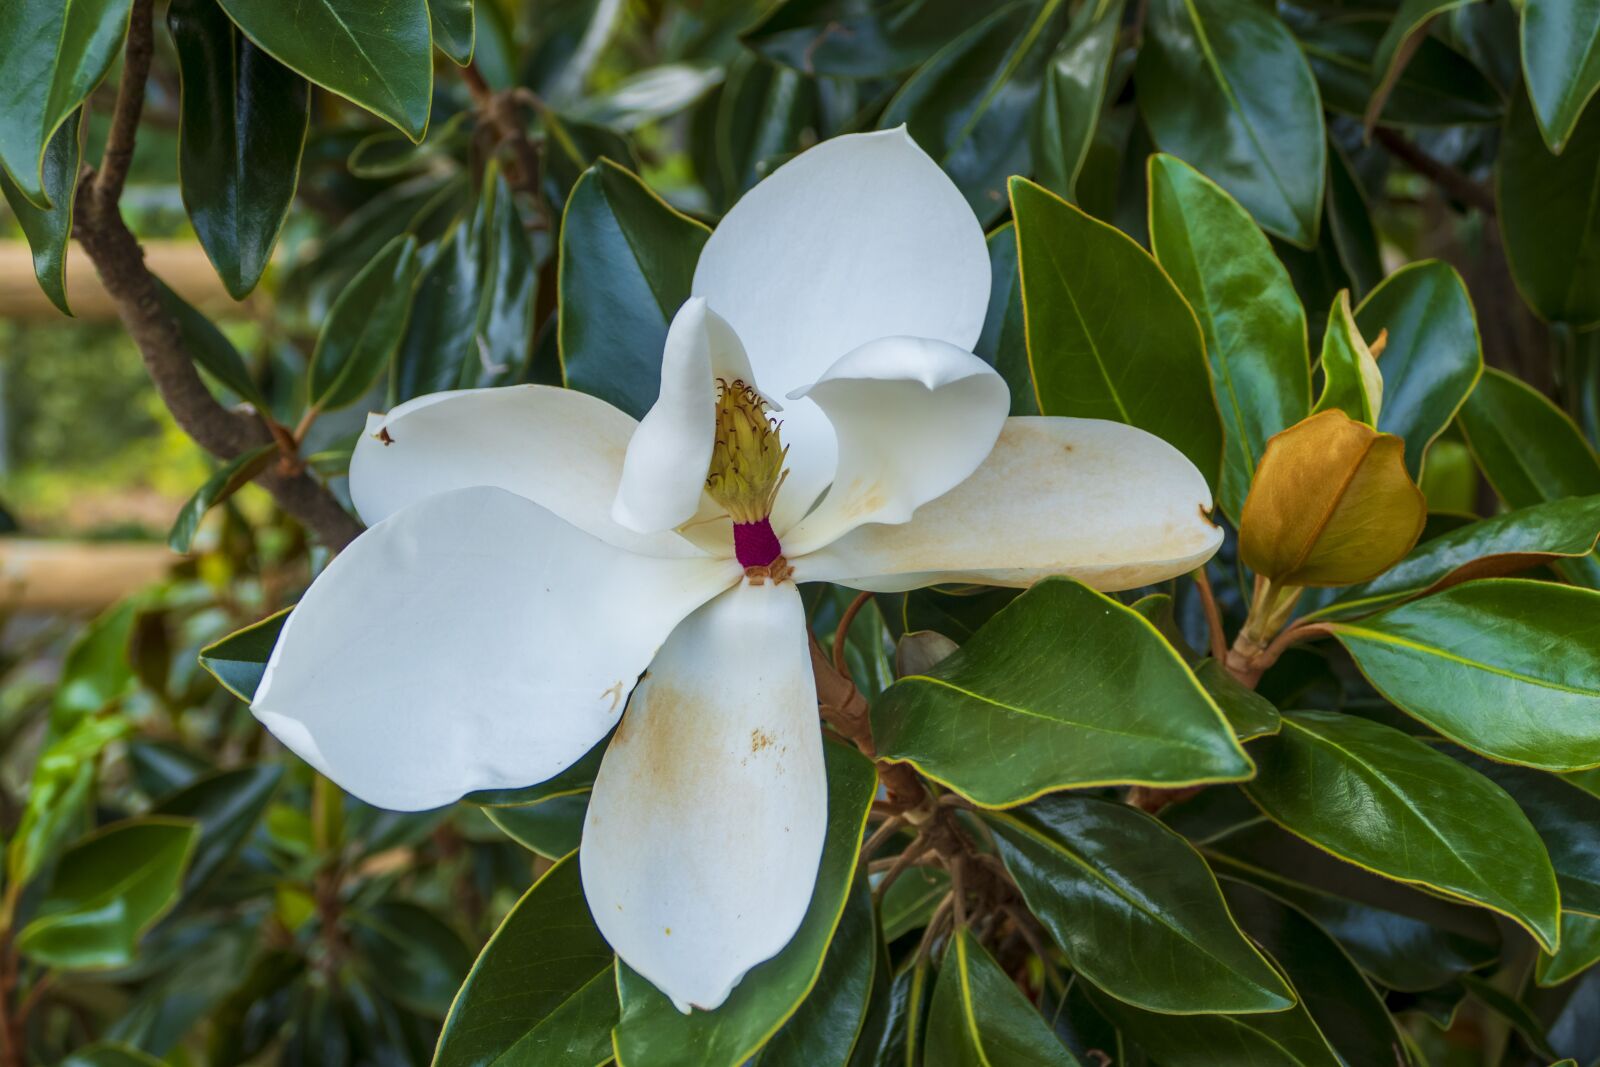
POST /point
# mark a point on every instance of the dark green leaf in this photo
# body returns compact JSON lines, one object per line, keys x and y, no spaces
{"x":1510,"y":1009}
{"x":242,"y":128}
{"x":1255,"y":329}
{"x":1561,"y":60}
{"x":226,"y":806}
{"x":48,"y":229}
{"x":364,"y":327}
{"x":228,"y":479}
{"x":208,"y":347}
{"x":859,"y":38}
{"x":971,"y":106}
{"x":1090,"y":357}
{"x":1003,"y":342}
{"x":506,"y":316}
{"x":1134,"y":907}
{"x":1350,"y":225}
{"x":551,"y":827}
{"x":1223,"y":85}
{"x":110,"y":1054}
{"x":411,"y":954}
{"x":1064,"y":688}
{"x":652,"y":1031}
{"x":1438,"y":87}
{"x":1505,"y":544}
{"x":440,"y":337}
{"x":58,"y":795}
{"x":1387,"y":802}
{"x":1433,"y":358}
{"x":649,"y":95}
{"x":909,"y":903}
{"x":1579,"y":950}
{"x":1475,"y":663}
{"x":1549,"y":217}
{"x":1398,"y":44}
{"x":753,"y":123}
{"x":626,"y":263}
{"x":1074,"y":91}
{"x":52,"y":55}
{"x":822,"y":1032}
{"x":97,"y":671}
{"x":376,"y":53}
{"x":1250,"y":714}
{"x":979,"y":1017}
{"x":454,"y":30}
{"x":562,"y":1019}
{"x":239,"y":660}
{"x":107,"y":890}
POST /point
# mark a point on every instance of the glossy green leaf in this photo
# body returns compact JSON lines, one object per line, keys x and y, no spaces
{"x":364,"y":327}
{"x":626,"y":263}
{"x":1438,"y":86}
{"x":1090,"y":357}
{"x":1064,"y":688}
{"x":652,"y":1033}
{"x":1433,"y":357}
{"x":1254,"y":327}
{"x":1387,"y":802}
{"x":210,"y":349}
{"x":1134,"y":907}
{"x":228,"y":479}
{"x":454,"y":29}
{"x":1566,"y":818}
{"x":1475,"y":663}
{"x":97,"y":671}
{"x":1345,"y":1007}
{"x":52,"y":55}
{"x":1579,"y":950}
{"x":243,"y":122}
{"x":377,"y":53}
{"x":1399,"y":43}
{"x":1074,"y":91}
{"x":1405,"y":938}
{"x":1490,"y":548}
{"x":1351,"y":380}
{"x":979,"y":1017}
{"x":239,"y":660}
{"x":752,"y":123}
{"x":563,"y":1019}
{"x":892,"y":1036}
{"x":551,"y":827}
{"x":1223,"y":85}
{"x":859,"y":38}
{"x":106,"y":891}
{"x":440,"y":337}
{"x":110,"y":1054}
{"x":1249,"y":713}
{"x":506,"y":315}
{"x":1350,"y":225}
{"x":1004,"y":342}
{"x":910,"y":901}
{"x":411,"y":954}
{"x":59,"y":795}
{"x":649,"y":95}
{"x":1509,"y":1008}
{"x":823,"y":1030}
{"x":1550,"y":215}
{"x":49,"y":229}
{"x":1561,"y":60}
{"x":226,"y":806}
{"x":971,"y":106}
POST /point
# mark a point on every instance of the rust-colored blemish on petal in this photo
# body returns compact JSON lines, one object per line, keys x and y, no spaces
{"x":384,"y":436}
{"x":759,"y":739}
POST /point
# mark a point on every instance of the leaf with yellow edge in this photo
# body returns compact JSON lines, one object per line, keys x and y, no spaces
{"x":1331,"y":504}
{"x":1351,"y":381}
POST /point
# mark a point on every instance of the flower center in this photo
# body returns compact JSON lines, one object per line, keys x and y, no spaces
{"x":747,"y":471}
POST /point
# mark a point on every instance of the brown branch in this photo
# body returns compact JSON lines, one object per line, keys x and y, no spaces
{"x":1208,"y":600}
{"x":843,"y":632}
{"x":1455,"y":184}
{"x":498,"y":111}
{"x":119,"y":260}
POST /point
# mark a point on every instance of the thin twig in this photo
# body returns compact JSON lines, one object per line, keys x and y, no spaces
{"x":1208,"y":600}
{"x":958,"y":889}
{"x":935,"y":922}
{"x":902,"y":863}
{"x":842,"y":634}
{"x":891,"y":826}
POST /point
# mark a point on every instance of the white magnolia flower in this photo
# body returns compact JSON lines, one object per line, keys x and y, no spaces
{"x":538,"y":562}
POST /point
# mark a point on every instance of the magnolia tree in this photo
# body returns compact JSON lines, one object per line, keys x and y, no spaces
{"x":883,"y":533}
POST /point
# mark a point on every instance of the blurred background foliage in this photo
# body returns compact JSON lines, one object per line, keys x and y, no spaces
{"x":279,"y":921}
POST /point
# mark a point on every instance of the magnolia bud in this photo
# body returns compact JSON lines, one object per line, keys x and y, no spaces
{"x":1331,"y":504}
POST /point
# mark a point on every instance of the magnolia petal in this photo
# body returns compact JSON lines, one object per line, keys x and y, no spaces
{"x":665,"y":470}
{"x":559,"y":448}
{"x":471,"y":641}
{"x":1108,"y":504}
{"x":860,"y":237}
{"x":913,"y":418}
{"x":705,"y":827}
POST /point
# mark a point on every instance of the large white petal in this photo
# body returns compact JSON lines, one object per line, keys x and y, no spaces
{"x":913,"y":418}
{"x":860,"y":237}
{"x":665,"y":470}
{"x":471,"y":641}
{"x":705,"y":828}
{"x":556,"y":447}
{"x":1108,"y":504}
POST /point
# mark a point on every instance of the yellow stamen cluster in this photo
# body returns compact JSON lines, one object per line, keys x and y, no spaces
{"x":747,"y":458}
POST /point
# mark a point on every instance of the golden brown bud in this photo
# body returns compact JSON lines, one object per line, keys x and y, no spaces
{"x":1331,"y":504}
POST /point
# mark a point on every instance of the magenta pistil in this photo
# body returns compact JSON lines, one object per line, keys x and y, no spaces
{"x":754,"y":543}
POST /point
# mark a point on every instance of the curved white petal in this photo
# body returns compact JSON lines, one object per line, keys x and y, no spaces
{"x":1108,"y":504}
{"x":705,"y":828}
{"x":913,"y":418}
{"x":860,"y":237}
{"x":557,"y":447}
{"x":665,"y":470}
{"x":471,"y":641}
